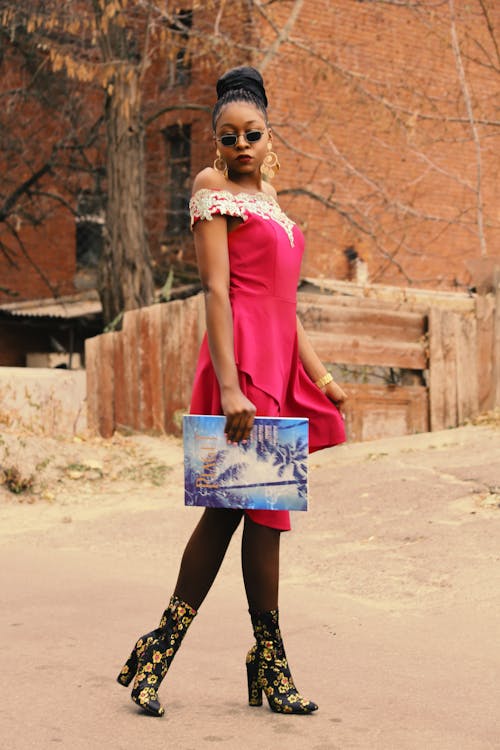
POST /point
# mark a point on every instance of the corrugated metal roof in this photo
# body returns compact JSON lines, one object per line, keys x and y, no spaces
{"x":74,"y":306}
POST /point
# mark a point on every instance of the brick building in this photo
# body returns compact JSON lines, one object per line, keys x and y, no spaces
{"x":385,"y":122}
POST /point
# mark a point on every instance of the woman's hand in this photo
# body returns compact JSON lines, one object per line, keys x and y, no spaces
{"x":335,"y":394}
{"x":239,"y":413}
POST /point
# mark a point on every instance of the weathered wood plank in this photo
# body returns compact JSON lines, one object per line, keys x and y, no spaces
{"x":130,"y":333}
{"x":180,"y":344}
{"x":443,"y":368}
{"x":436,"y":372}
{"x":119,"y":393}
{"x":389,"y":324}
{"x":91,"y":367}
{"x":156,"y":321}
{"x":145,"y":363}
{"x":342,"y":300}
{"x":496,"y":342}
{"x":360,"y":350}
{"x":449,"y":325}
{"x":374,"y":411}
{"x":193,"y":314}
{"x":105,"y":384}
{"x":466,"y":367}
{"x":409,"y":297}
{"x":485,"y":321}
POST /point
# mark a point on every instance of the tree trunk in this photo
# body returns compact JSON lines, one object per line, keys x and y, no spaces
{"x":126,"y":279}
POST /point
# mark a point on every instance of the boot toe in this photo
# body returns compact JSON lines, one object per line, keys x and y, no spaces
{"x":152,"y":707}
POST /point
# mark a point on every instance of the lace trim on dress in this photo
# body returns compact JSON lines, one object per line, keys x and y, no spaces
{"x":205,"y":203}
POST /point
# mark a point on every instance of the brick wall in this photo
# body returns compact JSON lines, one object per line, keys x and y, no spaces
{"x":369,"y":124}
{"x":51,"y":248}
{"x":37,"y":241}
{"x":409,"y":180}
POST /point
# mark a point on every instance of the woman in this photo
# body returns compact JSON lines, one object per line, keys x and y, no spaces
{"x":255,"y":359}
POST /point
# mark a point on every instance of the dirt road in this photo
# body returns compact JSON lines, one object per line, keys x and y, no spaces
{"x":390,"y":600}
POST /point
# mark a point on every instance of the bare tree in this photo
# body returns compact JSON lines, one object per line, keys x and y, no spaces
{"x":375,"y":192}
{"x":106,"y":48}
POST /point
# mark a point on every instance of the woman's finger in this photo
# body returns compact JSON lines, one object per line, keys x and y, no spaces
{"x":245,"y":427}
{"x":238,"y":427}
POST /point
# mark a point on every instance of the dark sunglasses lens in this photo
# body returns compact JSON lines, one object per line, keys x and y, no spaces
{"x":228,"y":140}
{"x":253,"y":136}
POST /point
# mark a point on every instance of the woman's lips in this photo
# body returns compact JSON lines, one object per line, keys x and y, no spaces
{"x":244,"y":158}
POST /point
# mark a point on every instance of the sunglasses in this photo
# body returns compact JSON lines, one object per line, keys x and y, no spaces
{"x":231,"y":139}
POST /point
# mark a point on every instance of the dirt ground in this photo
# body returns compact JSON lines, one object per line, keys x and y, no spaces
{"x":390,"y":598}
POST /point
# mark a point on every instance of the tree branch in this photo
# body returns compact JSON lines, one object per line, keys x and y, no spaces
{"x":55,"y":197}
{"x":30,"y":260}
{"x":491,"y":30}
{"x":326,"y":202}
{"x":22,"y":189}
{"x":175,"y":108}
{"x":283,"y":33}
{"x":475,"y":134}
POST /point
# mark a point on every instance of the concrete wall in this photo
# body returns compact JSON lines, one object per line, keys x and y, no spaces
{"x":43,"y":401}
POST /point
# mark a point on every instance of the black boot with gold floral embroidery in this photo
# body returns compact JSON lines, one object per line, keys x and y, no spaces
{"x":155,"y":659}
{"x":129,"y":670}
{"x":268,"y":670}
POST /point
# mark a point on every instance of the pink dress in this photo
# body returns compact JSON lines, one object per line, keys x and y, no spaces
{"x":265,"y":253}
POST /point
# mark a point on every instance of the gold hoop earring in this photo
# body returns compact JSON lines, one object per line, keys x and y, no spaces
{"x":220,"y":165}
{"x":271,"y":164}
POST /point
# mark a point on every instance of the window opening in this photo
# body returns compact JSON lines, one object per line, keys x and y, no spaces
{"x":178,"y":155}
{"x":179,"y":68}
{"x":89,"y":229}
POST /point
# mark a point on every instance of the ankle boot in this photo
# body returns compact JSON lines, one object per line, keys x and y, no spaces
{"x":156,"y":656}
{"x":268,"y":670}
{"x":129,"y":670}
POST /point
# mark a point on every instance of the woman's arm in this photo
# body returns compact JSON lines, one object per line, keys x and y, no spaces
{"x":210,"y":239}
{"x":316,"y":369}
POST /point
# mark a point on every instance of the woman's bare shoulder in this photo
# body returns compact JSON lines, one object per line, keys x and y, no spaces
{"x":209,"y":179}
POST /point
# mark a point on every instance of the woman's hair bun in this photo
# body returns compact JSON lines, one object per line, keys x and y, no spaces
{"x":246,"y":78}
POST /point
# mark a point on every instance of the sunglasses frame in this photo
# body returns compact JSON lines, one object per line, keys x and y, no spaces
{"x":236,"y":137}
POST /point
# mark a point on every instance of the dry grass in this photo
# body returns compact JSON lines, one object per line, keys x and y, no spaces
{"x":488,"y":419}
{"x":36,"y":468}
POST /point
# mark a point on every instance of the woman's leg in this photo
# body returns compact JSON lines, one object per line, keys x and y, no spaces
{"x":260,"y":560}
{"x":267,"y":665}
{"x":204,"y":554}
{"x":153,"y":653}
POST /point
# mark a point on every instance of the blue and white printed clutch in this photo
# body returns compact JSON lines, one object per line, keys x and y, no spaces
{"x":269,"y":472}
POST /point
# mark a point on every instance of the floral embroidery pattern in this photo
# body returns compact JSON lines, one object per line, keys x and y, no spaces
{"x":268,"y":670}
{"x":206,"y":203}
{"x":128,"y":671}
{"x":152,"y":655}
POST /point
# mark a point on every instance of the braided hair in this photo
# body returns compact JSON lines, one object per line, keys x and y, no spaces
{"x":243,"y":84}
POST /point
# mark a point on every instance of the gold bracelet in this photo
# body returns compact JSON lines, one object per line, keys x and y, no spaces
{"x":324,"y":380}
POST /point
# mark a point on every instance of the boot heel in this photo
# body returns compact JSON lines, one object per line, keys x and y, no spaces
{"x":128,"y":671}
{"x":254,"y":689}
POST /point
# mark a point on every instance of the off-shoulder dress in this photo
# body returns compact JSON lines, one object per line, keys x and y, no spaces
{"x":265,"y":253}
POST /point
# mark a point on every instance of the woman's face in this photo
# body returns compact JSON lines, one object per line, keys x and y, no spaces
{"x":238,"y":118}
